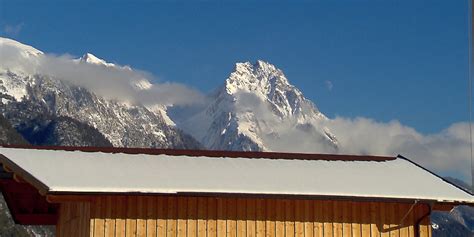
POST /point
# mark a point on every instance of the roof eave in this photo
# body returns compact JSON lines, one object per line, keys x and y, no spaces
{"x":42,"y":188}
{"x":71,"y":195}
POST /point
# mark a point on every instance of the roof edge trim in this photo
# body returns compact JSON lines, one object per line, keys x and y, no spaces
{"x":432,"y":173}
{"x":211,"y":153}
{"x":29,"y":178}
{"x":263,"y":195}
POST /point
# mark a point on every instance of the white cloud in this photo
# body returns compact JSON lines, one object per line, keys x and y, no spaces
{"x":446,"y":152}
{"x":109,"y":82}
{"x":329,"y":85}
{"x":13,"y":30}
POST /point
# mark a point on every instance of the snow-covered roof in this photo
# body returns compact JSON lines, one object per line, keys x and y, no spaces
{"x":59,"y":171}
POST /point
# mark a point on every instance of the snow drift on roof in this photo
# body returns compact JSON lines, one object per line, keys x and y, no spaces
{"x":97,"y":172}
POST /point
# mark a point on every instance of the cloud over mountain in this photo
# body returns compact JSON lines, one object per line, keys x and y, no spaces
{"x":256,"y":109}
{"x":446,"y":152}
{"x":112,"y":82}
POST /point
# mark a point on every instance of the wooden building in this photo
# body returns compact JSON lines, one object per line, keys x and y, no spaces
{"x":174,"y":193}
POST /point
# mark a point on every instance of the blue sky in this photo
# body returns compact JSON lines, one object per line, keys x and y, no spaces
{"x":404,"y":60}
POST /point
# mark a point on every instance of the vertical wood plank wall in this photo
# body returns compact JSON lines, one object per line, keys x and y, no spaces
{"x":158,"y":216}
{"x":74,"y":219}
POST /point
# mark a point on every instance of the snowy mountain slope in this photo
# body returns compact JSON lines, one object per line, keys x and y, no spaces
{"x":141,"y":84}
{"x":258,"y":109}
{"x":26,"y":50}
{"x":8,"y":135}
{"x":92,"y":59}
{"x":123,"y":124}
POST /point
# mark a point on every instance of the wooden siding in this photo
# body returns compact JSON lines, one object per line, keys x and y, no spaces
{"x":159,"y":216}
{"x":75,"y":220}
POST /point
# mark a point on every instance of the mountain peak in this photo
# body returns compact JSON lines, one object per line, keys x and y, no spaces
{"x":260,"y":76}
{"x":269,"y":84}
{"x":26,"y":50}
{"x":258,"y":109}
{"x":92,"y":59}
{"x":264,"y":65}
{"x":259,"y":64}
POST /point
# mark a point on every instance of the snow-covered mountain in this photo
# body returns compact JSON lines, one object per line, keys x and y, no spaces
{"x":258,"y":109}
{"x":25,"y":50}
{"x":92,"y":59}
{"x":141,"y":84}
{"x":27,"y":96}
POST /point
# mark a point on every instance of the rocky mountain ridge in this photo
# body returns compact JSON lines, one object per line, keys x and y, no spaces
{"x":249,"y":110}
{"x":122,"y":124}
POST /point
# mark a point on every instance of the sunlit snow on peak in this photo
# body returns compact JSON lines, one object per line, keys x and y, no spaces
{"x":142,"y":84}
{"x":92,"y":59}
{"x":27,"y":51}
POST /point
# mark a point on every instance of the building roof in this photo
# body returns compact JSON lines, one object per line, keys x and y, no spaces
{"x":152,"y":171}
